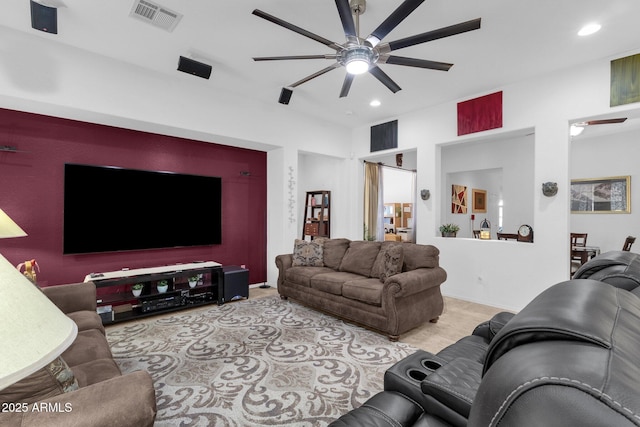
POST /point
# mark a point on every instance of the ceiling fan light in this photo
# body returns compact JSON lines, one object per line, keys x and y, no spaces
{"x":357,"y":60}
{"x":357,"y":66}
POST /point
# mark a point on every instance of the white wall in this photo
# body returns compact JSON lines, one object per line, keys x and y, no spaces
{"x":319,"y":172}
{"x":504,"y":168}
{"x":614,"y":155}
{"x":506,"y":274}
{"x":44,"y":77}
{"x":48,"y":78}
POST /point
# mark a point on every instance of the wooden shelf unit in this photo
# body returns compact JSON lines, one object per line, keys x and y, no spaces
{"x":317,"y":214}
{"x":116,"y":302}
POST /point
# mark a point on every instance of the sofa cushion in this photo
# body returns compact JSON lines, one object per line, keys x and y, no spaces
{"x":333,"y":252}
{"x":302,"y":275}
{"x":307,"y":253}
{"x":332,"y":282}
{"x":419,"y":256}
{"x":368,"y":291}
{"x":360,"y":257}
{"x":54,"y":379}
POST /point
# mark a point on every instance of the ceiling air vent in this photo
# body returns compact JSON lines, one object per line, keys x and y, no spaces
{"x":154,"y":14}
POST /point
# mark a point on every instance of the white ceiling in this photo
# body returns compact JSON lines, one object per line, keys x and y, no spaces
{"x":518,"y":40}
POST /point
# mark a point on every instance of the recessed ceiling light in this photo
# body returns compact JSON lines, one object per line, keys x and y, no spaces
{"x":589,"y":29}
{"x":375,"y":103}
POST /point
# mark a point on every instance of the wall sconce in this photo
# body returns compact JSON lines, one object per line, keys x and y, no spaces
{"x":549,"y":188}
{"x":425,"y":194}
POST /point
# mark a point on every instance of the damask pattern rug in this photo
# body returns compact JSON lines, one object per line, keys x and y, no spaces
{"x":258,"y":362}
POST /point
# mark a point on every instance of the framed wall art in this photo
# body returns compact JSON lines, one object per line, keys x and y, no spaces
{"x":458,"y":199}
{"x":478,"y":201}
{"x":601,"y":195}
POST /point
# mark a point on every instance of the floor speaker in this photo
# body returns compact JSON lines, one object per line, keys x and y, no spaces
{"x":196,"y":68}
{"x":44,"y":18}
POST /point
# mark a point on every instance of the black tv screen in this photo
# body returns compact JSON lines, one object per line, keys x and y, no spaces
{"x":110,"y":209}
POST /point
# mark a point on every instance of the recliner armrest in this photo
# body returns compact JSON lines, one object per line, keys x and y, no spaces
{"x":385,"y":409}
{"x":124,"y":401}
{"x":454,"y":385}
{"x":72,"y":297}
{"x":491,"y":327}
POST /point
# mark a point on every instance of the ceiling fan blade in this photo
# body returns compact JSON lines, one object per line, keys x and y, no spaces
{"x":452,"y":30}
{"x":413,"y":62}
{"x":346,"y":85}
{"x":344,"y":10}
{"x":393,"y":20}
{"x":284,"y":58}
{"x":376,"y":72}
{"x":606,"y":121}
{"x":316,"y":74}
{"x":296,"y":29}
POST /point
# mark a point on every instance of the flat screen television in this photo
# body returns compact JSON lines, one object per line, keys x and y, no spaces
{"x":108,"y":209}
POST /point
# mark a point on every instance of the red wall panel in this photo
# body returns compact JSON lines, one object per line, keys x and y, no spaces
{"x":31,"y":192}
{"x":479,"y":114}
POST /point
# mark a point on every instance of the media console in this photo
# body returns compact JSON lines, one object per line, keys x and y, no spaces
{"x":116,"y":301}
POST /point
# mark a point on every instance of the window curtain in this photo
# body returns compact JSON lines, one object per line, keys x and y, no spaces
{"x":414,"y":206}
{"x":373,"y":202}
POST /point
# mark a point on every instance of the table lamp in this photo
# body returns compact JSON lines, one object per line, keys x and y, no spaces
{"x":8,"y":228}
{"x":33,"y":331}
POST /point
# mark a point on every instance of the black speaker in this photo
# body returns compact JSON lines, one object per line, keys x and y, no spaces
{"x":196,"y":68}
{"x":285,"y":96}
{"x":44,"y":18}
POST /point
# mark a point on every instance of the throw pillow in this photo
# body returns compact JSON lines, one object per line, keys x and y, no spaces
{"x":54,"y":379}
{"x":307,"y":254}
{"x":393,"y":258}
{"x":360,"y":257}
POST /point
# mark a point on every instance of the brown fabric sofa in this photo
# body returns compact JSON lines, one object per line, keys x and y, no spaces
{"x":390,"y":287}
{"x":104,"y":397}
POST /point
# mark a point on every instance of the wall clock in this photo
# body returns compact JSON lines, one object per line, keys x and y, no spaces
{"x":525,"y":233}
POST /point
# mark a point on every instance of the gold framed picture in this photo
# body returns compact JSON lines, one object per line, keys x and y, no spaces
{"x":479,"y":200}
{"x":601,"y":195}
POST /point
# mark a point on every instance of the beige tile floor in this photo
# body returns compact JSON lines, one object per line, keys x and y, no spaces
{"x":458,"y":320}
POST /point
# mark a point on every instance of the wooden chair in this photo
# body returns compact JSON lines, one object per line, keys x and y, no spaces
{"x":476,"y":234}
{"x":628,"y":242}
{"x":577,"y":257}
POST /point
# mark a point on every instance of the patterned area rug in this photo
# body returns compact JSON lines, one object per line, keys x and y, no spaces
{"x":258,"y":362}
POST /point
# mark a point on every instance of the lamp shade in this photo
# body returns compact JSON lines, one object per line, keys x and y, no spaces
{"x":8,"y":228}
{"x":33,"y":331}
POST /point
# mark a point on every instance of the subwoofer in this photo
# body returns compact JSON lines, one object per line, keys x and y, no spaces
{"x":44,"y":18}
{"x":196,"y":68}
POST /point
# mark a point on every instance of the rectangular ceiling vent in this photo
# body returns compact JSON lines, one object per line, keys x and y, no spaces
{"x":154,"y":14}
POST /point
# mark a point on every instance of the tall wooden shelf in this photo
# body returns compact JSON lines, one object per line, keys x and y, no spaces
{"x":317,"y":214}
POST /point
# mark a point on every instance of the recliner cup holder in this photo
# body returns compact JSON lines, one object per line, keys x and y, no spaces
{"x":431,"y":365}
{"x":417,"y":374}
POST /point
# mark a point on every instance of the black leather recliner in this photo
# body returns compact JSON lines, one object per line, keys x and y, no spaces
{"x":570,"y":358}
{"x":618,"y":268}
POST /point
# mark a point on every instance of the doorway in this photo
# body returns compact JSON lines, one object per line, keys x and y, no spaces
{"x":390,"y":197}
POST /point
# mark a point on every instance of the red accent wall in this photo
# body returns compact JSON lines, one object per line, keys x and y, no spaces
{"x":31,"y":193}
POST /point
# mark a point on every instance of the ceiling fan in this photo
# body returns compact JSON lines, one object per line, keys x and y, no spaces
{"x":359,"y":55}
{"x":577,"y":128}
